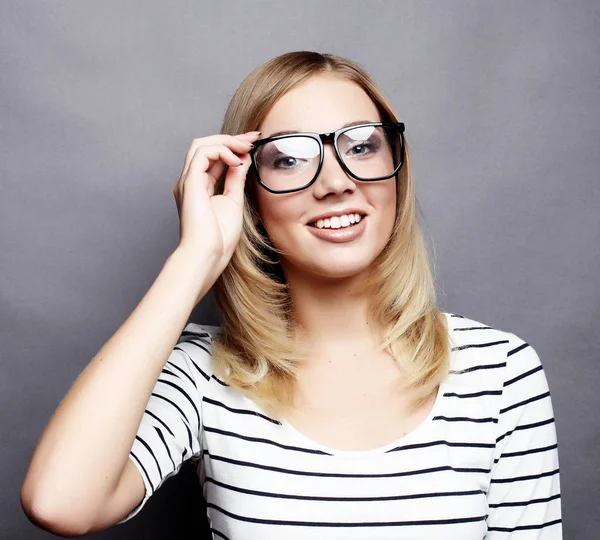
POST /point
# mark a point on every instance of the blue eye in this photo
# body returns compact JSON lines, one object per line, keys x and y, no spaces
{"x":280,"y":162}
{"x":367,"y":147}
{"x":359,"y":146}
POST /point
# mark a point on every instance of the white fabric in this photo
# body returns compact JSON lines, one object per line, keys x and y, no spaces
{"x":484,"y":464}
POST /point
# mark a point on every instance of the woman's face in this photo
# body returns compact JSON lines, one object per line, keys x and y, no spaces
{"x":325,"y":103}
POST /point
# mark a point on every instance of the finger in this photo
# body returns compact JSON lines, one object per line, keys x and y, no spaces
{"x":235,"y":181}
{"x":201,"y":160}
{"x":214,"y":154}
{"x":252,"y":135}
{"x":198,"y":166}
{"x":235,"y":142}
{"x":238,"y":147}
{"x":217,"y":168}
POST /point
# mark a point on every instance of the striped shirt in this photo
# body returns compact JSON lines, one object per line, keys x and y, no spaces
{"x":483,"y":464}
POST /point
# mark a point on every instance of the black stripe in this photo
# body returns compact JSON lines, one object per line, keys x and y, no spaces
{"x":168,"y":372}
{"x":526,"y":452}
{"x":222,"y":383}
{"x":262,"y":440}
{"x":206,"y":350}
{"x":465,"y":419}
{"x":196,"y":366}
{"x":441,"y":442}
{"x":477,"y":368}
{"x":153,"y":489}
{"x":455,"y":315}
{"x":197,"y":343}
{"x":184,"y":418}
{"x":525,"y":527}
{"x":525,"y":503}
{"x":357,"y":524}
{"x":479,"y":345}
{"x":525,"y":402}
{"x":343,"y":475}
{"x":182,"y":372}
{"x":517,"y":349}
{"x":184,"y":393}
{"x":206,"y":399}
{"x":162,"y":438}
{"x":526,"y":426}
{"x":520,"y":478}
{"x":220,"y":534}
{"x":194,"y":335}
{"x":474,"y":328}
{"x":474,"y":394}
{"x":343,"y":499}
{"x":151,"y":453}
{"x":189,"y":432}
{"x":160,"y":420}
{"x":523,"y":375}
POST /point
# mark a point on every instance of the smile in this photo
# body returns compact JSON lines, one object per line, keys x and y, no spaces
{"x":337,"y":222}
{"x":339,"y":233}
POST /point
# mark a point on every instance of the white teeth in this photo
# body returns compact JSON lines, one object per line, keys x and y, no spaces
{"x":338,"y":222}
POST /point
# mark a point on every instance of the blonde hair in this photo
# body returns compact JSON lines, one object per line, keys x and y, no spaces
{"x":255,"y":352}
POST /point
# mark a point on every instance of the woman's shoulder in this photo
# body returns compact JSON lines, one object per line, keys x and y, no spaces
{"x":485,"y":351}
{"x":193,"y":352}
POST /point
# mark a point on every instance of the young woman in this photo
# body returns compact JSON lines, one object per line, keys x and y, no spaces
{"x":335,"y":401}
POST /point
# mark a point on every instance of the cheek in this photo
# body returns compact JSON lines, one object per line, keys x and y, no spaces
{"x":280,"y":214}
{"x":384,"y":200}
{"x":393,"y":201}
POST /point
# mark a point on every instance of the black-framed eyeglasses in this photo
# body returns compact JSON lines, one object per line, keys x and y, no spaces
{"x":292,"y":162}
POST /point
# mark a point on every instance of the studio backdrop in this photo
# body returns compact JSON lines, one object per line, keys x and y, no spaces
{"x":100,"y":101}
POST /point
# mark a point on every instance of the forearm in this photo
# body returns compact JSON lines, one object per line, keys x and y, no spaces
{"x":80,"y":457}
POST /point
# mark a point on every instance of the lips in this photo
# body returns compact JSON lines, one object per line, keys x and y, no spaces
{"x":341,"y":235}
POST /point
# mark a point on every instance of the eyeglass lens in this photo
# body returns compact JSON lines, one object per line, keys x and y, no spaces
{"x":369,"y":152}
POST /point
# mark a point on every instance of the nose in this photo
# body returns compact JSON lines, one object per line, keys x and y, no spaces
{"x":332,"y":177}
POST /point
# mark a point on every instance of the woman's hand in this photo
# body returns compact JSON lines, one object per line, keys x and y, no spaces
{"x":210,"y":225}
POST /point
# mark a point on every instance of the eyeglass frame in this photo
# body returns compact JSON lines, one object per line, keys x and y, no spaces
{"x":322,"y":138}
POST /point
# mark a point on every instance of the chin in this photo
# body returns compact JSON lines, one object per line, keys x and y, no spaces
{"x":340,"y":269}
{"x":337,"y":262}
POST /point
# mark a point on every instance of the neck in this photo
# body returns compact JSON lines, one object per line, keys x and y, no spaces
{"x":332,"y":314}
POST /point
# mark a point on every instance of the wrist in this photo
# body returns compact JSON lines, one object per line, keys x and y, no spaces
{"x":196,"y":268}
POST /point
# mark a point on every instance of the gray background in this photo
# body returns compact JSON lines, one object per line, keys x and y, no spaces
{"x":99,"y":104}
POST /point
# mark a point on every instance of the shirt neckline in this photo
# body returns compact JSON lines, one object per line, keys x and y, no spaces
{"x":402,"y":441}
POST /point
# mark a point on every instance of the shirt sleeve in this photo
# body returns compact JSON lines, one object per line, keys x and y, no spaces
{"x":170,"y":430}
{"x":524,"y":493}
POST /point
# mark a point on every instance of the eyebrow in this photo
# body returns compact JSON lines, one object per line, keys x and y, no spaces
{"x":287,"y":131}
